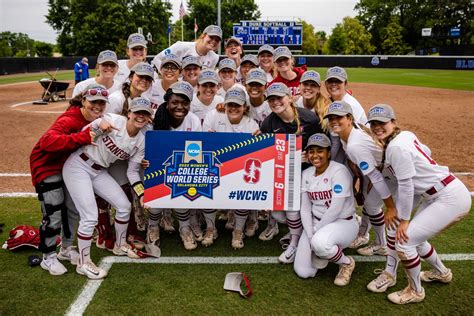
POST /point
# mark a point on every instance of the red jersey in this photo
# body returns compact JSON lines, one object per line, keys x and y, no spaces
{"x":61,"y":139}
{"x":294,"y":84}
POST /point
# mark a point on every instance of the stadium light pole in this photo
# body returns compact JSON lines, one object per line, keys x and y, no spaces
{"x":219,"y":21}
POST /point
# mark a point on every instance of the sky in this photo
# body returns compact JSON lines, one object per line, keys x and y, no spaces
{"x":27,"y":16}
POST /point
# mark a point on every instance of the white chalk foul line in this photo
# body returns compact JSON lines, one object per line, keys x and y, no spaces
{"x":79,"y":306}
{"x":12,"y":174}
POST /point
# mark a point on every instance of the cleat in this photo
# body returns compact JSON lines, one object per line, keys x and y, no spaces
{"x":288,"y":256}
{"x":153,"y":234}
{"x":237,"y":239}
{"x":125,"y":250}
{"x":69,"y":254}
{"x":285,"y":240}
{"x":90,"y":270}
{"x":197,"y":232}
{"x":167,"y":223}
{"x":434,"y":275}
{"x":209,"y":237}
{"x":230,"y":221}
{"x":345,"y":272}
{"x":382,"y":282}
{"x":406,"y":296}
{"x":262,"y":216}
{"x":359,"y":241}
{"x":269,"y":233}
{"x":51,"y":264}
{"x":251,"y":228}
{"x":372,"y":250}
{"x":188,"y":238}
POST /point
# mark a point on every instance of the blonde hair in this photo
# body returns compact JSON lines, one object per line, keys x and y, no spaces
{"x":320,"y":107}
{"x":366,"y":130}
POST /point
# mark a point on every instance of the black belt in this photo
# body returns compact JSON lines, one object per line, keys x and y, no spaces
{"x":347,"y":218}
{"x":93,"y":165}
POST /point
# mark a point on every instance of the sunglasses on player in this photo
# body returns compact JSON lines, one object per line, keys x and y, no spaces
{"x":95,"y":92}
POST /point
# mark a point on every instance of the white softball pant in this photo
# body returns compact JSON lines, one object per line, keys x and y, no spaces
{"x":82,"y":181}
{"x":325,"y":243}
{"x":436,"y":213}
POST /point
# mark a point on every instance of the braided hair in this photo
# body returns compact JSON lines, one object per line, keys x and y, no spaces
{"x":126,"y":90}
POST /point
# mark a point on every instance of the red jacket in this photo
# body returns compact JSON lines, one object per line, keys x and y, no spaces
{"x":294,"y":84}
{"x":60,"y":140}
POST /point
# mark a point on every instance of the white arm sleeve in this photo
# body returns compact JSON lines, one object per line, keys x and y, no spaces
{"x":332,"y":213}
{"x":406,"y":192}
{"x":133,"y":172}
{"x":306,"y":215}
{"x":379,"y":184}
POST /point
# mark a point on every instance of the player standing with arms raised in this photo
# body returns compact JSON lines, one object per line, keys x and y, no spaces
{"x":204,"y":48}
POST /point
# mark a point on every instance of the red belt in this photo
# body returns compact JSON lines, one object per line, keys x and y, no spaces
{"x":444,"y":182}
{"x":93,"y":165}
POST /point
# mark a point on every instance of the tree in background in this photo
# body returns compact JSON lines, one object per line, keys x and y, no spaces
{"x":310,"y":41}
{"x":87,"y":27}
{"x":392,"y":39}
{"x":16,"y":45}
{"x":350,"y":38}
{"x":44,"y":49}
{"x":440,"y":15}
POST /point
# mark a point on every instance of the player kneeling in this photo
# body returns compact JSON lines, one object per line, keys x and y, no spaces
{"x":85,"y":173}
{"x":327,"y":214}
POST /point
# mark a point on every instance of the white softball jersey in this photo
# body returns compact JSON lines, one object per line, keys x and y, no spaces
{"x":259,"y":113}
{"x":183,"y":49}
{"x":362,"y":150}
{"x":116,"y":145}
{"x":359,"y":113}
{"x":191,"y":123}
{"x":336,"y":181}
{"x":219,"y":122}
{"x":81,"y":86}
{"x":116,"y":101}
{"x":123,"y":71}
{"x":406,"y":158}
{"x":156,"y":93}
{"x":201,"y":110}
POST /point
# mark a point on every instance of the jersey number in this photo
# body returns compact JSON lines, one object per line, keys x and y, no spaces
{"x":418,"y":147}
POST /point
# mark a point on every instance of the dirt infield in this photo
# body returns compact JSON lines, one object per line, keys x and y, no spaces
{"x":441,"y":118}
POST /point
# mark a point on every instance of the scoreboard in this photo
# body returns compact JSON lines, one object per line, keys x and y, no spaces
{"x":253,"y":34}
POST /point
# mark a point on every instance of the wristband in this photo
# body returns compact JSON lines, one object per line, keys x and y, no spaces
{"x":138,"y":188}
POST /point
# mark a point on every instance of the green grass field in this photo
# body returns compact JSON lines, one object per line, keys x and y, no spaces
{"x":447,"y":79}
{"x":197,"y":289}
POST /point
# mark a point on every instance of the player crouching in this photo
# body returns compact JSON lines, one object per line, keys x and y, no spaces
{"x":327,"y":214}
{"x":85,"y":173}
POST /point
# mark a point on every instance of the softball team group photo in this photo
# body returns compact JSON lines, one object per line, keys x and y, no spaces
{"x":361,"y":172}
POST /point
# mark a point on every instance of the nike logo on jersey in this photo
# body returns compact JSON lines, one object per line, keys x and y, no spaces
{"x":276,"y":130}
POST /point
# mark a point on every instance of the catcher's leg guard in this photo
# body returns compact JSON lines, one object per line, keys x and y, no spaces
{"x":51,"y":196}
